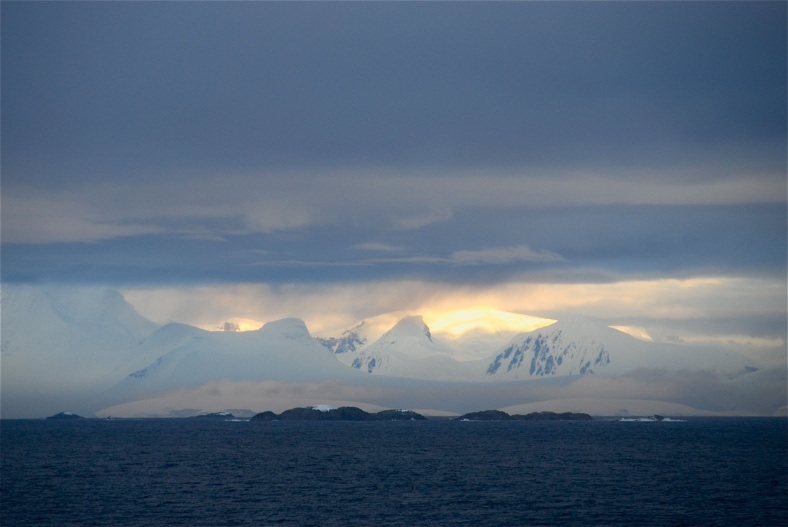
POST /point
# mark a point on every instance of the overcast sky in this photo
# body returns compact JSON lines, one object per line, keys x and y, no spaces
{"x":402,"y":151}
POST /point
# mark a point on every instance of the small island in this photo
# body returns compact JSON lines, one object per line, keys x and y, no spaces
{"x":553,"y":416}
{"x":64,"y":416}
{"x":352,"y":413}
{"x":498,"y":415}
{"x":344,"y":413}
{"x":485,"y":415}
{"x":223,"y":415}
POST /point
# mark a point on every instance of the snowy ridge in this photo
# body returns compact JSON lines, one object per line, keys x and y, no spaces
{"x":406,"y":350}
{"x":572,"y":347}
{"x":87,"y":346}
{"x":289,"y":328}
{"x":54,"y":332}
{"x":579,"y":346}
{"x":280,"y":350}
{"x":349,"y":341}
{"x":33,"y":314}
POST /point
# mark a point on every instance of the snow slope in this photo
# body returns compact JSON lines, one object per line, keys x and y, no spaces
{"x":470,"y":334}
{"x":75,"y":346}
{"x":183,"y":356}
{"x":58,"y":332}
{"x":351,"y":339}
{"x":579,"y":346}
{"x":570,"y":347}
{"x":407,"y":350}
{"x":85,"y":349}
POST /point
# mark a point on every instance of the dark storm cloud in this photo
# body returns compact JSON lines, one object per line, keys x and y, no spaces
{"x":97,"y":91}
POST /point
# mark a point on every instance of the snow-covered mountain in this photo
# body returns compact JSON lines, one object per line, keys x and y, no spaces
{"x":50,"y":333}
{"x":63,"y":345}
{"x":564,"y":348}
{"x":570,"y":347}
{"x":579,"y":346}
{"x":474,"y":333}
{"x":85,"y":349}
{"x":351,"y":340}
{"x":407,"y":350}
{"x":83,"y":346}
{"x":184,"y":356}
{"x":469,"y":334}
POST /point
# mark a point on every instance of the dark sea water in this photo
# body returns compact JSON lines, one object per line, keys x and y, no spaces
{"x":439,"y":473}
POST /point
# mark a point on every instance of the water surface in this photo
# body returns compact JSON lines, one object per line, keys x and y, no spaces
{"x":194,"y":472}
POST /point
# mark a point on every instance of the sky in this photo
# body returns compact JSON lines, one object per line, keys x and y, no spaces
{"x":336,"y":161}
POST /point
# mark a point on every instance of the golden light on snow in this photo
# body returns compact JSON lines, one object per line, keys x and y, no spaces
{"x":452,"y":311}
{"x":234,"y":325}
{"x":247,"y":324}
{"x":638,"y":333}
{"x":485,"y":319}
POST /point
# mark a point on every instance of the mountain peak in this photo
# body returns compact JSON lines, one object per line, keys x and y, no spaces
{"x":409,"y":327}
{"x":583,"y":330}
{"x":288,"y":327}
{"x":576,"y":325}
{"x":84,"y":309}
{"x":570,"y":346}
{"x":351,"y":339}
{"x":401,"y":351}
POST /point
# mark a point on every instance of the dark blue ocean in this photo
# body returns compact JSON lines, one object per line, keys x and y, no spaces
{"x":702,"y":471}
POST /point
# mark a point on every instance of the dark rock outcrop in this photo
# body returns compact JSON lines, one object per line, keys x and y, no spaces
{"x":265,"y":416}
{"x":64,"y":416}
{"x":485,"y":415}
{"x":498,"y":415}
{"x":400,"y":415}
{"x":344,"y":413}
{"x":302,"y":414}
{"x":215,"y":415}
{"x":349,"y":413}
{"x":552,"y":416}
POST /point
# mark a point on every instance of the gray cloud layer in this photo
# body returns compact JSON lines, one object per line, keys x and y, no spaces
{"x":247,"y":141}
{"x":596,"y":86}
